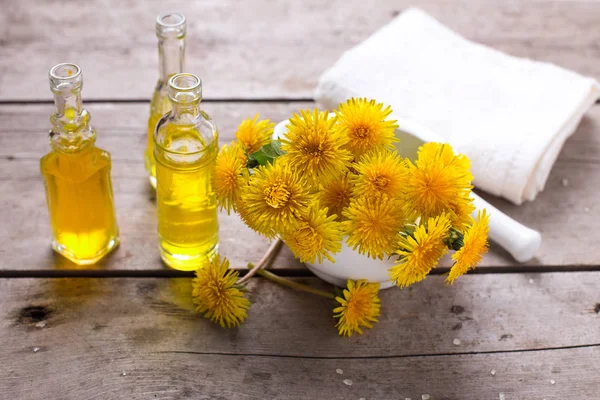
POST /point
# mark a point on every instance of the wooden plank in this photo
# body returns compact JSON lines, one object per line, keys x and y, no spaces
{"x":567,"y":216}
{"x":278,"y":52}
{"x":201,"y":376}
{"x":135,"y":338}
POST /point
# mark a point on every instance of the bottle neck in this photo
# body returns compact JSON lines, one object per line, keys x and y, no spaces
{"x":184,"y":111}
{"x":171,"y":55}
{"x":70,"y":122}
{"x":66,"y":101}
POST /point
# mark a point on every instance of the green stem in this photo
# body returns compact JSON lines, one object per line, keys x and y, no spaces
{"x":294,"y":285}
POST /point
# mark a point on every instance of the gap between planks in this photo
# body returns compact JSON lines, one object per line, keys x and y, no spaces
{"x":288,"y":273}
{"x":9,"y":102}
{"x":382,"y":357}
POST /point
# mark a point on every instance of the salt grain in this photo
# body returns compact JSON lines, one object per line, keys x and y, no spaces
{"x":36,"y":349}
{"x":407,"y":398}
{"x":552,"y":381}
{"x":339,"y":371}
{"x":348,"y":382}
{"x":362,"y":398}
{"x":493,"y":372}
{"x":41,"y":324}
{"x":456,"y":342}
{"x":425,"y":397}
{"x":565,"y":182}
{"x":124,"y":373}
{"x":586,"y":209}
{"x":501,"y":396}
{"x":530,"y":280}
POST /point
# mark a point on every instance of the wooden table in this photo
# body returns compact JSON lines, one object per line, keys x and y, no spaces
{"x":126,"y":328}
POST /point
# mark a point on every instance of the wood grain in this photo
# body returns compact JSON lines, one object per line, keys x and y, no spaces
{"x":260,"y":49}
{"x":139,"y":338}
{"x":121,"y":130}
{"x":567,"y":216}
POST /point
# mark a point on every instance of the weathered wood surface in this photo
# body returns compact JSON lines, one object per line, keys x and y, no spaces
{"x":121,"y":130}
{"x":567,"y":216}
{"x":260,"y":48}
{"x":140,"y":338}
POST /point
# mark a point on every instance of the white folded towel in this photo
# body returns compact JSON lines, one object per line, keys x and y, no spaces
{"x":510,"y":115}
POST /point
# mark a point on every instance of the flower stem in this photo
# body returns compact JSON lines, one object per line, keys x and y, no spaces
{"x":294,"y":285}
{"x":271,"y":253}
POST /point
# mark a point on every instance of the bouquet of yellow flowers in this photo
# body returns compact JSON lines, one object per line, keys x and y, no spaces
{"x":338,"y":177}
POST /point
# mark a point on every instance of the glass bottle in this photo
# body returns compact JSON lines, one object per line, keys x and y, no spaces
{"x":186,"y":147}
{"x":77,"y":176}
{"x":170,"y":30}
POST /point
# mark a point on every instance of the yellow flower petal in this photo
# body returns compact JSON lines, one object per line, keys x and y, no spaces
{"x":316,"y":237}
{"x":336,"y":196}
{"x":372,"y":225}
{"x":274,"y":199}
{"x":230,"y":175}
{"x":253,"y":134}
{"x":314,"y":148}
{"x":421,"y":251}
{"x":439,"y":182}
{"x":217,"y":296}
{"x":359,"y":308}
{"x":474,"y":247}
{"x":364,"y":123}
{"x":379,"y":172}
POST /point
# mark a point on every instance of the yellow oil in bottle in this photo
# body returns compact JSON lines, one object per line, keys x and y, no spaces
{"x":170,"y":31}
{"x":187,"y":210}
{"x":80,"y":204}
{"x":77,"y":176}
{"x":159,"y":106}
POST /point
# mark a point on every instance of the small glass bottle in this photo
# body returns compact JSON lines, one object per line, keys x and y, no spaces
{"x":170,"y":30}
{"x":77,"y":176}
{"x":186,"y":147}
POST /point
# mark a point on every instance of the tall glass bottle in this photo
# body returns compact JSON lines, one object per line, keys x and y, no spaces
{"x":77,"y":176}
{"x":186,"y":147}
{"x":170,"y":30}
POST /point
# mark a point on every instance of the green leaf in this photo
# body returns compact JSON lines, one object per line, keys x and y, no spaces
{"x":276,"y":145}
{"x":261,"y":158}
{"x":252,"y":162}
{"x":273,"y":149}
{"x":265,"y":154}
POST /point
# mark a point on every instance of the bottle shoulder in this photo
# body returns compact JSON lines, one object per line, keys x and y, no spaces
{"x":160,"y":103}
{"x":75,"y":166}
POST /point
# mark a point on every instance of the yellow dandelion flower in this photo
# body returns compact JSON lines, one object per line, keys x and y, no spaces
{"x":254,"y":134}
{"x":217,"y":296}
{"x":364,"y":123}
{"x":230,"y":176}
{"x":274,"y":199}
{"x":314,"y":148}
{"x":316,"y":237}
{"x":359,"y":308}
{"x":474,"y":247}
{"x":336,"y":196}
{"x":439,"y":182}
{"x":460,"y":211}
{"x":372,"y":225}
{"x":379,"y":172}
{"x":442,"y":153}
{"x":421,"y":251}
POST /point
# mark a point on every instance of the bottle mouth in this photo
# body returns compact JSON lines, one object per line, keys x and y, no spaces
{"x":185,"y":87}
{"x":65,"y":76}
{"x":170,"y":24}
